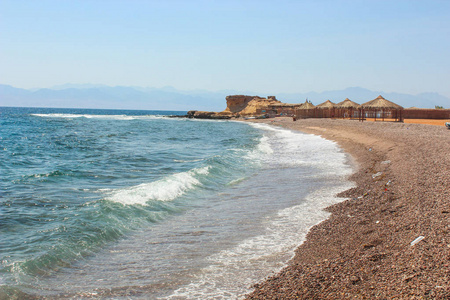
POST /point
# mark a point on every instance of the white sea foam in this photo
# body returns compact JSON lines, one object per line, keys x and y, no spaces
{"x":233,"y":271}
{"x":294,"y":148}
{"x":166,"y":189}
{"x":103,"y":117}
{"x":207,"y":120}
{"x":261,"y":151}
{"x":187,"y":160}
{"x":236,"y":181}
{"x":264,"y":146}
{"x":57,"y":115}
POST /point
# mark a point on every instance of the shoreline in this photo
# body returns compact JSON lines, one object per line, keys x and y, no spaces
{"x":364,"y":248}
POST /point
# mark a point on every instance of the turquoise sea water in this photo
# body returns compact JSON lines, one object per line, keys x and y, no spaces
{"x":133,"y":204}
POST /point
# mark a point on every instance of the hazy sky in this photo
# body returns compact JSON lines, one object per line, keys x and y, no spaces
{"x":262,"y":46}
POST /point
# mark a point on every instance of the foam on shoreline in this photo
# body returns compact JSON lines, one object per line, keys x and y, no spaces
{"x":364,"y":249}
{"x":258,"y":256}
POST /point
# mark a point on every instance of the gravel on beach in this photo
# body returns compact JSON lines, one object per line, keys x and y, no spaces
{"x":391,"y":238}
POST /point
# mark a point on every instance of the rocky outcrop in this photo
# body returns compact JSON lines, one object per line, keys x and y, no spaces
{"x":206,"y":115}
{"x":247,"y":105}
{"x":237,"y":105}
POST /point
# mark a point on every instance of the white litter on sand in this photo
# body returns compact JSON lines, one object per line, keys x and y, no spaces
{"x":418,"y":239}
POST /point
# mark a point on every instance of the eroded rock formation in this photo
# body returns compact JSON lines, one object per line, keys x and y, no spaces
{"x":196,"y":114}
{"x":247,"y":105}
{"x":237,"y":105}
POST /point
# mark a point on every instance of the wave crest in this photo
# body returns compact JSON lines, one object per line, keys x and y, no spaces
{"x":103,"y":117}
{"x":166,"y":189}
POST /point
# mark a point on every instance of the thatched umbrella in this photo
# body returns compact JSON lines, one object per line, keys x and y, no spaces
{"x":305,"y":110}
{"x":347,"y":106}
{"x":347,"y":103}
{"x":326,"y":109}
{"x":383,"y":105}
{"x":327,"y":104}
{"x":380,"y":102}
{"x":306,"y":105}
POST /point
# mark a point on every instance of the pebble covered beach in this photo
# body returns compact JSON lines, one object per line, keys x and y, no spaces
{"x":391,"y":238}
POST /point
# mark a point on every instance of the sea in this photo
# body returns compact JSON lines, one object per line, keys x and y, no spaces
{"x":120,"y":204}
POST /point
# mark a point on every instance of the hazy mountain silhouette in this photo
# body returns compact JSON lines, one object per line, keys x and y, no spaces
{"x":361,"y":95}
{"x":94,"y":96}
{"x":169,"y":98}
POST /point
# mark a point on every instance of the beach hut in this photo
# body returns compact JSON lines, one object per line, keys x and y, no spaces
{"x":348,"y":109}
{"x":305,"y":110}
{"x":382,"y":109}
{"x":326,"y":109}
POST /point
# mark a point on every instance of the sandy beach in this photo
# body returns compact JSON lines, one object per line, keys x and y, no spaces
{"x":391,"y":238}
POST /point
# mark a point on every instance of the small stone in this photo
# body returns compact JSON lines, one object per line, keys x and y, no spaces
{"x":408,"y":278}
{"x":377,"y":174}
{"x":354,"y":279}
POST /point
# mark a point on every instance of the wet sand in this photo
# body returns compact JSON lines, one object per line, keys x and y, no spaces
{"x":391,"y":238}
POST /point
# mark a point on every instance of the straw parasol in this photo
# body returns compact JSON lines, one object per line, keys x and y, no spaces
{"x":381,"y":103}
{"x":347,"y":108}
{"x":347,"y":103}
{"x":326,"y":109}
{"x":306,"y":105}
{"x":305,"y":110}
{"x":383,"y":107}
{"x":327,"y":104}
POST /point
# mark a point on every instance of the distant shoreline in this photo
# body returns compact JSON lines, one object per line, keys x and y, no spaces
{"x":364,"y":249}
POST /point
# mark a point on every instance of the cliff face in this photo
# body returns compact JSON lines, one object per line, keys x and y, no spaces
{"x":237,"y":105}
{"x":247,"y":105}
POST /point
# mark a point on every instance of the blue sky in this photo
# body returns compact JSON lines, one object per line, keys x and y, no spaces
{"x":268,"y":47}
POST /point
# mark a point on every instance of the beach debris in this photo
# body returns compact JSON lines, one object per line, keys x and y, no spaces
{"x":365,"y":194}
{"x":370,"y":149}
{"x":418,"y":239}
{"x":377,"y":174}
{"x":377,"y":222}
{"x":386,"y":162}
{"x":388,"y":183}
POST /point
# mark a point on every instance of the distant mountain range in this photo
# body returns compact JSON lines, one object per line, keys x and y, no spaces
{"x":169,"y":98}
{"x":361,"y":95}
{"x":118,"y":97}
